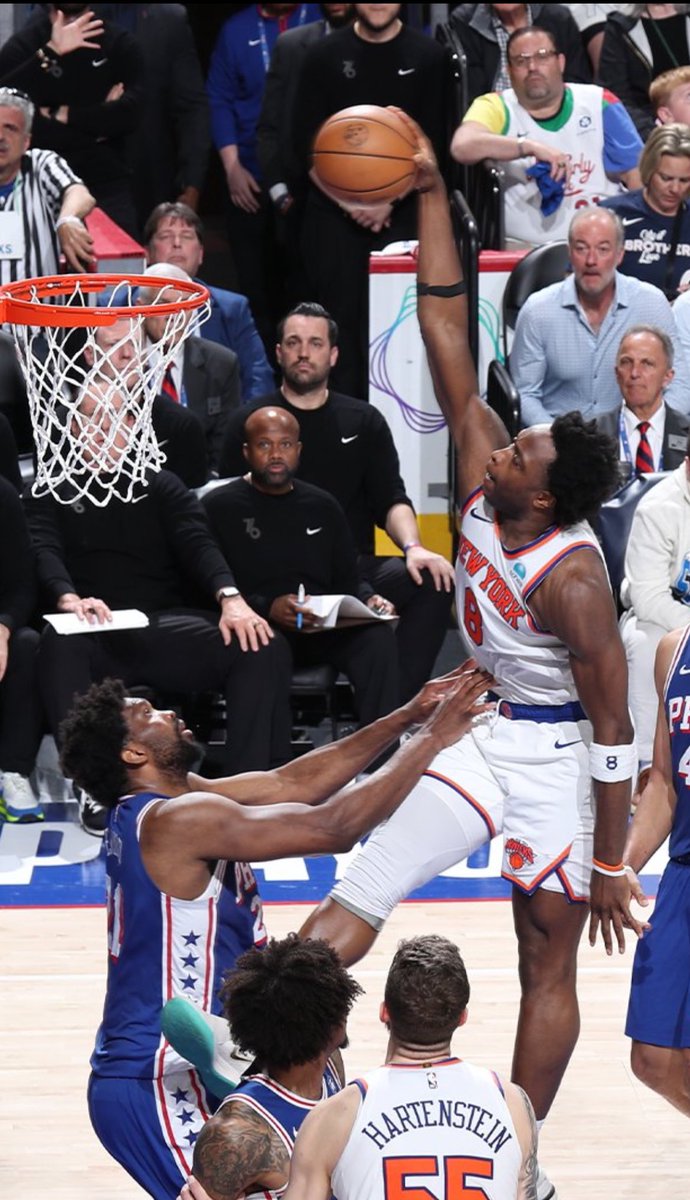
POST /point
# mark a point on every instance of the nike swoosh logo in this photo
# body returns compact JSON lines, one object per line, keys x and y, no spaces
{"x":684,"y":670}
{"x":254,"y":42}
{"x":562,"y":745}
{"x":311,"y":531}
{"x":98,"y":62}
{"x":407,"y":71}
{"x":349,"y":439}
{"x":632,"y":220}
{"x":478,"y":516}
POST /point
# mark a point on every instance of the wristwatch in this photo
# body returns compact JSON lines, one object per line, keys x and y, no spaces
{"x":226,"y":593}
{"x":521,"y":139}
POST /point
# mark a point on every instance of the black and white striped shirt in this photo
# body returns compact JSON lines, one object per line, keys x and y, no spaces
{"x":40,"y":186}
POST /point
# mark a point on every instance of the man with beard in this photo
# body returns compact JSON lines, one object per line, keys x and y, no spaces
{"x":182,"y":899}
{"x":281,"y":533}
{"x":348,"y":450}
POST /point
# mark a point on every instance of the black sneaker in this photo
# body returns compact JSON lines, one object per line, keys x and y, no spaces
{"x":93,"y":817}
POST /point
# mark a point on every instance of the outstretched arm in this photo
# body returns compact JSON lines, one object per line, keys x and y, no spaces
{"x":183,"y":834}
{"x":475,"y":429}
{"x":313,"y":777}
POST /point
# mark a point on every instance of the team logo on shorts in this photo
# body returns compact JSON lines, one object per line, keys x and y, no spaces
{"x":519,"y":854}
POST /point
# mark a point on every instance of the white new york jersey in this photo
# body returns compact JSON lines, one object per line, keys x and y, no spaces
{"x":442,"y":1130}
{"x":493,"y":587}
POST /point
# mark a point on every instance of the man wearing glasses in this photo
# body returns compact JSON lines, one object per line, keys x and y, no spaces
{"x":42,"y":202}
{"x":562,"y":146}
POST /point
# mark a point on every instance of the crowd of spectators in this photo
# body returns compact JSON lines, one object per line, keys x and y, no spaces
{"x":581,"y":105}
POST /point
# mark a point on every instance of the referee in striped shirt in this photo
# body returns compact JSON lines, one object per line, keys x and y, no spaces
{"x":42,"y":202}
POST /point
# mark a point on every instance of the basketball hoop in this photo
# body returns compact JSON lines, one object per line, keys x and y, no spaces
{"x":92,"y":374}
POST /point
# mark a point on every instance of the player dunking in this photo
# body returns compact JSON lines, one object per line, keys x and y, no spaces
{"x":534,"y":600}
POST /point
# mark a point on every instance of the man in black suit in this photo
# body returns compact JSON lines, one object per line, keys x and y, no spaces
{"x":204,"y":377}
{"x":651,"y":435}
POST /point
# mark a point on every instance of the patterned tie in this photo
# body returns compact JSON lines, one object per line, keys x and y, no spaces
{"x":644,"y":461}
{"x":168,"y":387}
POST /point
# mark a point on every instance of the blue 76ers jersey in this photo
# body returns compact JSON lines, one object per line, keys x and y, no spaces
{"x":677,"y":705}
{"x":160,"y":947}
{"x":493,"y":588}
{"x":284,"y":1111}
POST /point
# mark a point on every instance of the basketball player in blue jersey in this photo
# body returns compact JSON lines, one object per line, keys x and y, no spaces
{"x":534,"y":602}
{"x":182,"y":901}
{"x":287,"y":1005}
{"x":659,"y":1009}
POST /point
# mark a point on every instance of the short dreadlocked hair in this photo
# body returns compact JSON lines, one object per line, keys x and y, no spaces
{"x":285,"y":1003}
{"x":426,"y":990}
{"x":585,"y":471}
{"x":93,"y":736}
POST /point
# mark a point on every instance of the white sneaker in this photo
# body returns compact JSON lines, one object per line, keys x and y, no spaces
{"x":545,"y":1189}
{"x":204,"y":1040}
{"x":18,"y":803}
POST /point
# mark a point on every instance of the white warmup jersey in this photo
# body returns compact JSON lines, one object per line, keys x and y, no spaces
{"x":582,"y":137}
{"x":493,"y":587}
{"x":439,"y":1130}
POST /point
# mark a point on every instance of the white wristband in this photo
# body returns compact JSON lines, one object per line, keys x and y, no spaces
{"x":613,"y":764}
{"x":68,"y":221}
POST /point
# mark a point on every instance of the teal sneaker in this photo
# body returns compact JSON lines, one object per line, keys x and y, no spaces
{"x":204,"y":1040}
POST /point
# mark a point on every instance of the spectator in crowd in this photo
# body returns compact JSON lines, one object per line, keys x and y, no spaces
{"x":579,"y":140}
{"x":639,"y":46}
{"x":21,"y":717}
{"x":341,"y":1147}
{"x":484,"y":29}
{"x":203,"y":376}
{"x":174,"y":234}
{"x":114,"y":353}
{"x":281,"y":171}
{"x":236,"y":79}
{"x":669,"y":95}
{"x":655,"y":593}
{"x":655,"y":218}
{"x":681,"y":313}
{"x":14,"y":404}
{"x":377,"y":60}
{"x":279,"y":533}
{"x":651,"y":435}
{"x":169,"y":149}
{"x":567,"y":335}
{"x":591,"y":21}
{"x":149,"y":555}
{"x":172,"y":850}
{"x":85,"y":77}
{"x":348,"y":450}
{"x":44,"y":203}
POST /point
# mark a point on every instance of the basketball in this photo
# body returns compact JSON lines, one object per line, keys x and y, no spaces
{"x":364,"y":154}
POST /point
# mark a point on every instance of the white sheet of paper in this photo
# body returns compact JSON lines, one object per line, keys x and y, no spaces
{"x":123,"y":618}
{"x":331,"y":609}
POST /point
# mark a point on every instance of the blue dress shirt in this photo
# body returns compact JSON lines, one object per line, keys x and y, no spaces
{"x":559,"y":363}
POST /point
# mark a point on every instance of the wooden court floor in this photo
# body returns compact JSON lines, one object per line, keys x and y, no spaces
{"x":607,"y":1135}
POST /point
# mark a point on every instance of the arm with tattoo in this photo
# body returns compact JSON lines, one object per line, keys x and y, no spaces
{"x":237,"y":1152}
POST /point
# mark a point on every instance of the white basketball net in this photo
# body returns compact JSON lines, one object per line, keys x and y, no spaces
{"x":91,"y":388}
